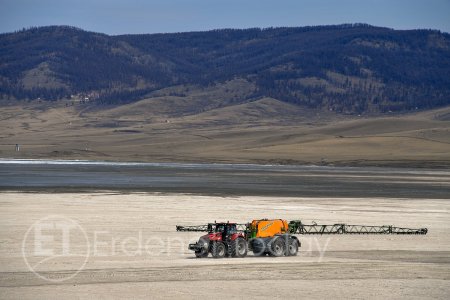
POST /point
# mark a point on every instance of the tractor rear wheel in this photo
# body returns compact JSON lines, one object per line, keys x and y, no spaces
{"x":239,"y":247}
{"x":277,"y":247}
{"x":218,"y":250}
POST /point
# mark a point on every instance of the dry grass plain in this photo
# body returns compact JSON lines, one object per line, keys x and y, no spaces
{"x":262,"y":131}
{"x":345,"y":267}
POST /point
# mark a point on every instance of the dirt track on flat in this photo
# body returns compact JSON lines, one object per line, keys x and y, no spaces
{"x":138,"y":253}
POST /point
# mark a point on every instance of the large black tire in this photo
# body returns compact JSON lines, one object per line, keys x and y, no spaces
{"x":201,"y":254}
{"x":239,"y":248}
{"x":258,"y":247}
{"x":277,"y":247}
{"x":218,"y":250}
{"x":292,"y":247}
{"x":203,"y":251}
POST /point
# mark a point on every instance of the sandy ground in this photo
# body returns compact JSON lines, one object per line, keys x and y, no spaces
{"x":134,"y":251}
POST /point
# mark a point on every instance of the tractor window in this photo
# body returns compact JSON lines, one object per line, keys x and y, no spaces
{"x":220,"y":228}
{"x":232,"y":228}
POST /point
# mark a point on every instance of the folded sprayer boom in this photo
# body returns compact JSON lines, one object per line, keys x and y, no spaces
{"x":297,"y":227}
{"x":208,"y":227}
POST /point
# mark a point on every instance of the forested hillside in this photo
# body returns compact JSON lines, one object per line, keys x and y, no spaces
{"x":346,"y":68}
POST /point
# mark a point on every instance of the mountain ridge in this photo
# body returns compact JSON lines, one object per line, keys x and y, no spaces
{"x":349,"y":68}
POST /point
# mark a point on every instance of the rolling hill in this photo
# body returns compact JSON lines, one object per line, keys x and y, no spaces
{"x":350,"y":69}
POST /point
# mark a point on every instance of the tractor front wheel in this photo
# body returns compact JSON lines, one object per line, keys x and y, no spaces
{"x":201,"y":254}
{"x":218,"y":250}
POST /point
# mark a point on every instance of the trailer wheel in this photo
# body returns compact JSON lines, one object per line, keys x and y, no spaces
{"x":277,"y":247}
{"x":239,"y":248}
{"x":258,"y":247}
{"x":292,"y":247}
{"x":218,"y":250}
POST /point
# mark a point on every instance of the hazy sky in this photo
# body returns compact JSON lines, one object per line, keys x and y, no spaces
{"x":151,"y":16}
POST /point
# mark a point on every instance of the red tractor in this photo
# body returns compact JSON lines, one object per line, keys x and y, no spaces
{"x":223,"y":239}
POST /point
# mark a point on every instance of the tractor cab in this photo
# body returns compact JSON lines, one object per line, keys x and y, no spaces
{"x":226,"y":229}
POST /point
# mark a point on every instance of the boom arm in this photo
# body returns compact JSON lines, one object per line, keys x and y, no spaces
{"x":208,"y":227}
{"x":297,"y":227}
{"x":194,"y":228}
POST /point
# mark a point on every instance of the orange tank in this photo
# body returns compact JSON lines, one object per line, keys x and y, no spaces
{"x":268,"y":228}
